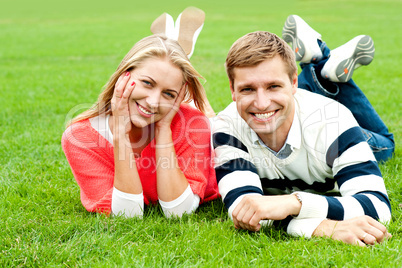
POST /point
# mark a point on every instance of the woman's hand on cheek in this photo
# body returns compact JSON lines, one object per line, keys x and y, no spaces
{"x":167,"y":119}
{"x":119,"y":102}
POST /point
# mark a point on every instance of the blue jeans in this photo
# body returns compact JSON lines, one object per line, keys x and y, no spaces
{"x":350,"y":95}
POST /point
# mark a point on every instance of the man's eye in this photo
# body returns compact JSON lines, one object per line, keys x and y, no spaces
{"x":247,"y":89}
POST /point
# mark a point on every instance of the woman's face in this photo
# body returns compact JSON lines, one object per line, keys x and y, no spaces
{"x":157,"y":86}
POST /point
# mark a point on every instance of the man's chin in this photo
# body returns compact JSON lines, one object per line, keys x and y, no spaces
{"x":262,"y":130}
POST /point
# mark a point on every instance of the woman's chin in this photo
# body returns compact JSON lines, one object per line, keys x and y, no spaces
{"x":141,"y":122}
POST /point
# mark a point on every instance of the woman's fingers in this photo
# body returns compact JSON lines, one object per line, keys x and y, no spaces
{"x":180,"y":97}
{"x":128,"y":91}
{"x":119,"y":80}
{"x":121,"y":85}
{"x":182,"y":93}
{"x":122,"y":94}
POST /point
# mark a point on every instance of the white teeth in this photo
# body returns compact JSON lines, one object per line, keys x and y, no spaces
{"x":264,"y":116}
{"x":144,"y":111}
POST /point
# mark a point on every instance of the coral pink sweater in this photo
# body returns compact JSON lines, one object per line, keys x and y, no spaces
{"x":91,"y":160}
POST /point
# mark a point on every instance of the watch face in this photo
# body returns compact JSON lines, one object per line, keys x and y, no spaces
{"x":298,"y":197}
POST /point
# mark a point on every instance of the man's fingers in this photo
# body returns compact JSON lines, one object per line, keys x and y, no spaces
{"x":369,"y":239}
{"x":247,"y":216}
{"x":377,"y":230}
{"x":376,"y":224}
{"x":240,"y":220}
{"x":359,"y":243}
{"x":255,"y":220}
{"x":236,"y":223}
{"x":240,"y":215}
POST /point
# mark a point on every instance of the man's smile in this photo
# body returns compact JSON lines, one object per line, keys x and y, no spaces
{"x":263,"y":116}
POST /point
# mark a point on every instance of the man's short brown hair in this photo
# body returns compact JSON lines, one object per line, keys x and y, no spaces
{"x":256,"y":47}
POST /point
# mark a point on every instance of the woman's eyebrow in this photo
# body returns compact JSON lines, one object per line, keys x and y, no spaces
{"x":172,"y":90}
{"x":150,"y":78}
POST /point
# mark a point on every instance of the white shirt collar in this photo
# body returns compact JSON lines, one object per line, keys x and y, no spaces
{"x":101,"y":124}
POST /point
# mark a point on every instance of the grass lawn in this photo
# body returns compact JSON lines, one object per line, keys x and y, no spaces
{"x":55,"y":56}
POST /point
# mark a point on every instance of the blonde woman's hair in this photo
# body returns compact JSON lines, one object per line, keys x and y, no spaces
{"x":154,"y":46}
{"x":256,"y":47}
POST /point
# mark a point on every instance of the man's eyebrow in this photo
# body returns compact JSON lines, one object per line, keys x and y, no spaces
{"x":244,"y":85}
{"x":251,"y":84}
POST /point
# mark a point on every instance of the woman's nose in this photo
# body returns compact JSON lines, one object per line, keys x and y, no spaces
{"x":153,"y":99}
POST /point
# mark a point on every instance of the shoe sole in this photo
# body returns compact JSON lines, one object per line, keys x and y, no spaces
{"x":293,"y":25}
{"x":363,"y":54}
{"x":163,"y":24}
{"x":189,"y":23}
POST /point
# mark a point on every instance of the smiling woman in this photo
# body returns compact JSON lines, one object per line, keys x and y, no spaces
{"x":154,"y":95}
{"x":140,"y":144}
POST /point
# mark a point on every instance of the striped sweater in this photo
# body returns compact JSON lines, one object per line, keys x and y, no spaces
{"x":331,"y":165}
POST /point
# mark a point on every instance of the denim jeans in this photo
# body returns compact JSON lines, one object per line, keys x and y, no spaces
{"x":350,"y":95}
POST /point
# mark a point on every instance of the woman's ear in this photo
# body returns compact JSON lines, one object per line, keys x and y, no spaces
{"x":164,"y":24}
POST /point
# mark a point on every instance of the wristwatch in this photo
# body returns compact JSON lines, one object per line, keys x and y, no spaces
{"x":298,"y":196}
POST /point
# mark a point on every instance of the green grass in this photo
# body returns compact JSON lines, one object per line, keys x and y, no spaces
{"x":55,"y":56}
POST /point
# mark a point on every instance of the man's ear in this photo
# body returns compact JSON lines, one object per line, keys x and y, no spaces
{"x":295,"y":83}
{"x":232,"y":90}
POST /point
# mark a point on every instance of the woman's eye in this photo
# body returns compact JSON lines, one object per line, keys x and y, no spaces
{"x":169,"y":95}
{"x":147,"y":83}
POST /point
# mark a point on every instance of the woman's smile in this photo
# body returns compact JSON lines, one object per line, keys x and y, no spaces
{"x":143,"y":111}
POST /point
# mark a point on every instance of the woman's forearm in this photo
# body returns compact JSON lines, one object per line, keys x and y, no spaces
{"x":171,"y":182}
{"x":126,"y":177}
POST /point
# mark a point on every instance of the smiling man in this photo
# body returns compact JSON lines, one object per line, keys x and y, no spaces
{"x":291,"y":157}
{"x":264,"y":99}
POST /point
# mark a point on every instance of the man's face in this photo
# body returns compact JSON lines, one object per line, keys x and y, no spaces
{"x":264,"y":97}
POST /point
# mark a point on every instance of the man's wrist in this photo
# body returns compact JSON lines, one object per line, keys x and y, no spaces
{"x":325,"y":228}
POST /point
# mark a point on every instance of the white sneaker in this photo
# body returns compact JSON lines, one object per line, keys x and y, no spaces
{"x":188,"y":26}
{"x":348,"y":57}
{"x":303,"y":39}
{"x":164,"y":24}
{"x":185,"y":30}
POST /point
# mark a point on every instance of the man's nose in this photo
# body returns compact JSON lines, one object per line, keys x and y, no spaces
{"x":262,"y":100}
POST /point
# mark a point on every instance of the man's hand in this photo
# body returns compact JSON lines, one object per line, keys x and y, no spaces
{"x":253,"y":208}
{"x":362,"y":231}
